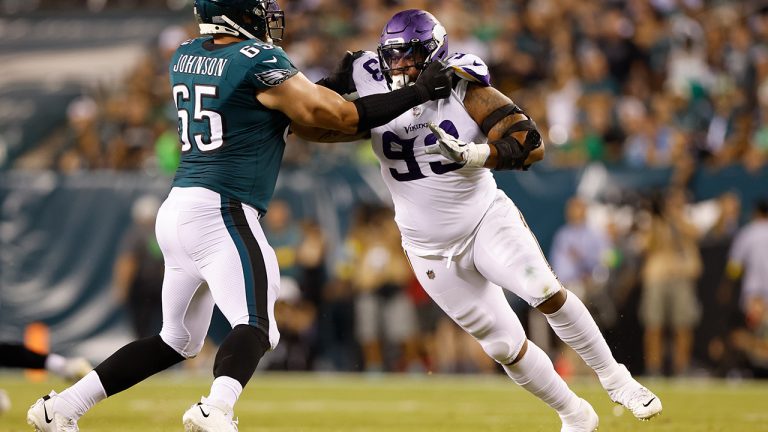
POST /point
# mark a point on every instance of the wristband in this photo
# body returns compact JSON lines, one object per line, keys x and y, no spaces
{"x":476,"y":155}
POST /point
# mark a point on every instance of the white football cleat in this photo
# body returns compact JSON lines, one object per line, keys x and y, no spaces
{"x":638,"y":399}
{"x":209,"y":416}
{"x":585,"y":419}
{"x":634,"y":396}
{"x":76,"y":368}
{"x":5,"y":402}
{"x":43,"y":417}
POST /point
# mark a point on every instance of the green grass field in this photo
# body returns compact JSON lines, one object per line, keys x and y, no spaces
{"x":362,"y":403}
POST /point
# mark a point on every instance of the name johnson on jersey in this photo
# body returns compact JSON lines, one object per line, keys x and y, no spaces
{"x":199,"y":65}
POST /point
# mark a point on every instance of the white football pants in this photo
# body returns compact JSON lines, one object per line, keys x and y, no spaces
{"x":503,"y":254}
{"x":205,"y":237}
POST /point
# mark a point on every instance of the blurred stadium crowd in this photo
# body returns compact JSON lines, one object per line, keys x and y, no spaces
{"x":635,"y":83}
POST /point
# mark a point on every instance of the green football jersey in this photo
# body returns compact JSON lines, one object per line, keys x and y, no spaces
{"x":230,"y":143}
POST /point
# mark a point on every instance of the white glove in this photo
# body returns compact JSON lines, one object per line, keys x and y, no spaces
{"x":468,"y":154}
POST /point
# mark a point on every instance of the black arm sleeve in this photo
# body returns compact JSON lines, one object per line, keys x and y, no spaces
{"x":378,"y":109}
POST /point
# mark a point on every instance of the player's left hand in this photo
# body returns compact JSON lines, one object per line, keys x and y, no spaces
{"x":466,"y":153}
{"x":435,"y":82}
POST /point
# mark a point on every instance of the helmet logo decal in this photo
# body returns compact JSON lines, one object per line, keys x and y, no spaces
{"x":439,"y":34}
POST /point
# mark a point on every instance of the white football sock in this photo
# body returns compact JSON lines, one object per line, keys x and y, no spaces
{"x":56,"y":364}
{"x":82,"y":396}
{"x":575,"y":326}
{"x":535,"y":373}
{"x":226,"y":389}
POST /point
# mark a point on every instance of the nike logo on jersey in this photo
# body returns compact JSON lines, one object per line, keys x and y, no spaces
{"x":649,"y":402}
{"x":272,"y":60}
{"x":205,"y":414}
{"x":45,"y":410}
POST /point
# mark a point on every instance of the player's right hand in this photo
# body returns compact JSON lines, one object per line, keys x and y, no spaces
{"x":436,"y":81}
{"x":466,"y":153}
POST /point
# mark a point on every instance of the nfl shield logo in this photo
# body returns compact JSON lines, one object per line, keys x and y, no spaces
{"x":430,"y":274}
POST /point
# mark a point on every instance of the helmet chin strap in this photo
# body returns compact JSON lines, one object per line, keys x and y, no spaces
{"x":238,"y":28}
{"x":232,"y":28}
{"x":208,"y":28}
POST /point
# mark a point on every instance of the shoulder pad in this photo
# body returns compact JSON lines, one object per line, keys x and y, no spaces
{"x":366,"y":55}
{"x":470,"y":67}
{"x":357,"y":54}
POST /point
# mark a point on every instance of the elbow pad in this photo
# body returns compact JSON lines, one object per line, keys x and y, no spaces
{"x":511,"y":153}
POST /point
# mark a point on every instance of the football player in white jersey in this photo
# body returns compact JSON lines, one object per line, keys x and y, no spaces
{"x":465,"y":239}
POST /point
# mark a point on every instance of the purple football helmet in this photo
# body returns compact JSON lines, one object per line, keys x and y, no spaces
{"x":410,"y":35}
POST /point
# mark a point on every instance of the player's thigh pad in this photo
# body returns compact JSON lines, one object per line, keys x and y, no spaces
{"x":187,"y":306}
{"x":474,"y":303}
{"x":240,"y":267}
{"x":507,"y":253}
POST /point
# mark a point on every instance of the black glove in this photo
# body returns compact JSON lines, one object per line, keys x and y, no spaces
{"x":435,"y":82}
{"x":340,"y":80}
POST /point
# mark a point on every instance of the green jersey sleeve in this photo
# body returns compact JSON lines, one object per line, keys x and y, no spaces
{"x":270,"y":66}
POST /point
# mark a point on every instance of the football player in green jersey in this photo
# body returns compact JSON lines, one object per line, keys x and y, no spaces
{"x":236,"y":94}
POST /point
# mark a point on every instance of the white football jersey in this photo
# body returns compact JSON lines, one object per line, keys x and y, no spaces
{"x":438,"y":203}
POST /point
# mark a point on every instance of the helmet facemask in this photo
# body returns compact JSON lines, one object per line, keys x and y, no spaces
{"x":398,"y":58}
{"x":275,"y":20}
